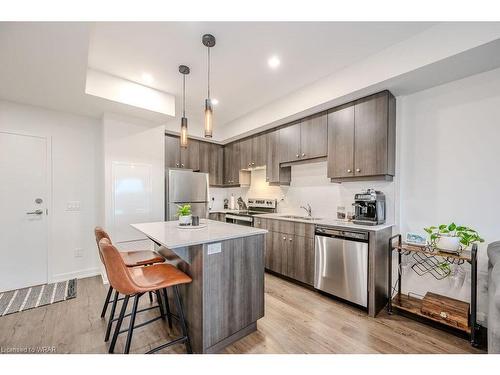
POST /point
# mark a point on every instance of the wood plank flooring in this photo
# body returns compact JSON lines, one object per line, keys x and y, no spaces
{"x":297,"y":320}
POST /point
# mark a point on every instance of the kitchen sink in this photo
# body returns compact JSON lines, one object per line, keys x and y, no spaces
{"x":300,"y":217}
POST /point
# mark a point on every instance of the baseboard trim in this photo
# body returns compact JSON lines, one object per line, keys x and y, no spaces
{"x":89,"y":272}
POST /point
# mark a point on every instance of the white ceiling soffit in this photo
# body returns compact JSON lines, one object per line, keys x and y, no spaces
{"x":120,"y":90}
{"x":445,"y":52}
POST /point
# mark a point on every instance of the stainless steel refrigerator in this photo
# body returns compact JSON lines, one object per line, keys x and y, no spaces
{"x":183,"y":187}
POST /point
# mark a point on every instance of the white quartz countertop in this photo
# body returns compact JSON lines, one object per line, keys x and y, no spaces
{"x":168,"y":233}
{"x":329,"y":222}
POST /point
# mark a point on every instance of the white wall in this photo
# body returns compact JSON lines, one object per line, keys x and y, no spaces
{"x":449,"y":170}
{"x":140,"y":145}
{"x":76,"y":165}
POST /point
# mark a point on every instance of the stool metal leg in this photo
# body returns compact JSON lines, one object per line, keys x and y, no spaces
{"x":106,"y":302}
{"x":181,"y":319}
{"x":132,"y":322}
{"x":167,"y":306}
{"x":118,"y":324}
{"x":160,"y":304}
{"x":111,"y":316}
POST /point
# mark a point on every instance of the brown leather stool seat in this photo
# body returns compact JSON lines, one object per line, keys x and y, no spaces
{"x":140,"y":258}
{"x":134,"y":282}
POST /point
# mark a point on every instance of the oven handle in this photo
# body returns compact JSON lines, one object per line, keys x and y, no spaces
{"x":240,"y":218}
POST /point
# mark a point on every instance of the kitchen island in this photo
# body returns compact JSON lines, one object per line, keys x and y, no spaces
{"x":226,"y":262}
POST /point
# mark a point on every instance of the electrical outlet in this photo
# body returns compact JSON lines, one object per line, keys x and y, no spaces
{"x":78,"y":253}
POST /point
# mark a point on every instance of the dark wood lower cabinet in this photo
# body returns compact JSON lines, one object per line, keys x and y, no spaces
{"x":300,"y":259}
{"x":289,"y":254}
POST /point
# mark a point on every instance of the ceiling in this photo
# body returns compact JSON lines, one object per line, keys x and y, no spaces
{"x":45,"y":64}
{"x":241,"y":79}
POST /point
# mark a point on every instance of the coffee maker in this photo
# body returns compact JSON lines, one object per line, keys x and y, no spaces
{"x":369,"y":208}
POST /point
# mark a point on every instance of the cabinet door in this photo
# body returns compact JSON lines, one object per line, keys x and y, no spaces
{"x":313,"y":137}
{"x":275,"y":254}
{"x":370,"y":134}
{"x":300,"y":259}
{"x":216,"y":161}
{"x":290,"y":143}
{"x":172,"y":152}
{"x":245,"y":153}
{"x":231,"y":164}
{"x":190,"y":156}
{"x":204,"y":154}
{"x":341,"y":142}
{"x":272,"y":157}
{"x":259,"y":150}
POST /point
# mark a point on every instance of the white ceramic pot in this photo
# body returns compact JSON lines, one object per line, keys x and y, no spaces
{"x":448,"y":243}
{"x":185,"y":220}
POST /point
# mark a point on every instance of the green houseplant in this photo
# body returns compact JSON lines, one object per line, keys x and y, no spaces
{"x":452,"y":237}
{"x":184,"y":213}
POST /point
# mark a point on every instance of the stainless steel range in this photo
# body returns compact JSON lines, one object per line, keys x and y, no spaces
{"x":255,"y":206}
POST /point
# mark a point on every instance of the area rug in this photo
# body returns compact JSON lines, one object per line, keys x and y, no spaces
{"x":29,"y":298}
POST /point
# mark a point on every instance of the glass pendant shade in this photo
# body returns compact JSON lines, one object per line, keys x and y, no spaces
{"x":184,"y":132}
{"x":208,"y":118}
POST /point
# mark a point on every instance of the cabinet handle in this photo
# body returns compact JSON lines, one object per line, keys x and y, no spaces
{"x":290,"y":239}
{"x":303,"y":155}
{"x":182,"y":165}
{"x":253,"y":163}
{"x":349,"y":171}
{"x":176,"y":164}
{"x":297,"y":155}
{"x":358,"y":170}
{"x":284,"y":238}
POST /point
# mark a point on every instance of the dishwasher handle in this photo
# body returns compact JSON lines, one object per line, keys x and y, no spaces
{"x":342,"y":234}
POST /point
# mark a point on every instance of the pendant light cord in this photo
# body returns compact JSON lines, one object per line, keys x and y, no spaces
{"x":208,"y":72}
{"x":183,"y":95}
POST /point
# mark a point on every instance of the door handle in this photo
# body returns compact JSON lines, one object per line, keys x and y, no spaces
{"x":36,"y":212}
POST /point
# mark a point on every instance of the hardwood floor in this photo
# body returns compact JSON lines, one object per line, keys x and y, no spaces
{"x":297,"y":320}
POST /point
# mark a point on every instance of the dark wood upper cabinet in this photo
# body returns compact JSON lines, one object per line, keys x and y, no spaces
{"x":245,"y":146}
{"x":371,"y":134}
{"x":341,"y":142}
{"x":313,"y":137}
{"x":361,"y":140}
{"x":259,"y":150}
{"x":289,"y":143}
{"x":232,"y":163}
{"x":275,"y":174}
{"x":190,"y":156}
{"x":172,"y":152}
{"x":211,"y":162}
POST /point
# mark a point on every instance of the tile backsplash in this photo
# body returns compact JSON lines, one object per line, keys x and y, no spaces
{"x":309,"y":185}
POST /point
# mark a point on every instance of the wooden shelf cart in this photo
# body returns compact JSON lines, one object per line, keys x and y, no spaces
{"x":411,"y":306}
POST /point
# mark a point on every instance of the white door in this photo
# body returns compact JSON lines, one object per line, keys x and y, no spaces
{"x":23,"y":217}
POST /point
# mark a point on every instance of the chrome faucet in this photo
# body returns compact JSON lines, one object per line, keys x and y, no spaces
{"x":308,"y":209}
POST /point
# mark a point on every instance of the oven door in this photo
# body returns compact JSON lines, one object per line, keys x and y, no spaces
{"x":239,"y":219}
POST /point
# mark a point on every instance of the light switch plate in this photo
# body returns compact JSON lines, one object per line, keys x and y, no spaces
{"x":214,"y":248}
{"x":73,"y":206}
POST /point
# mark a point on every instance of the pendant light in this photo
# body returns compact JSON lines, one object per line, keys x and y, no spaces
{"x":184,"y":70}
{"x":208,"y":40}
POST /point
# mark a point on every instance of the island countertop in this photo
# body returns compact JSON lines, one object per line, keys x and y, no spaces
{"x":168,"y":233}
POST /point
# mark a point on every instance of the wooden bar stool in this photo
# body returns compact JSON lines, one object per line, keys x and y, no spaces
{"x":135,"y":258}
{"x":134,"y":282}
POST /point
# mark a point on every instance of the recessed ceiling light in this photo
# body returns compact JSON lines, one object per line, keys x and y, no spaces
{"x":273,"y":62}
{"x":215,"y":101}
{"x":147,"y":78}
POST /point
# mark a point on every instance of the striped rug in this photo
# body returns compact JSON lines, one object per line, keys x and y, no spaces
{"x":28,"y":298}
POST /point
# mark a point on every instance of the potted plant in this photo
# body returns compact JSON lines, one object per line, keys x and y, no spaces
{"x":184,"y":213}
{"x":451,"y":237}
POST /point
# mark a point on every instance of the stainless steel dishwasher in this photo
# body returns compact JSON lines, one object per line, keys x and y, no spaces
{"x":341,"y":264}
